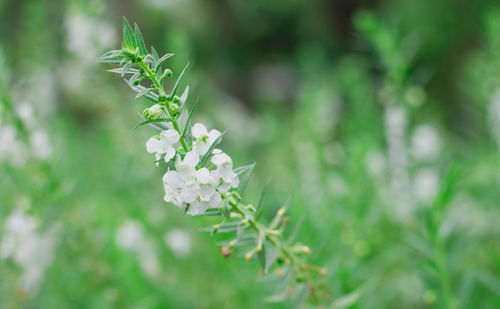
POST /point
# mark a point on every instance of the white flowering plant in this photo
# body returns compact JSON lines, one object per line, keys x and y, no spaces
{"x":201,"y":179}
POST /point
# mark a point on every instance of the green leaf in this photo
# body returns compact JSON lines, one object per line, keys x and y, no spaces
{"x":143,"y":92}
{"x":259,"y":205}
{"x":207,"y":155}
{"x":152,"y":121}
{"x":128,"y":36}
{"x":113,"y":56}
{"x":140,"y":41}
{"x":247,"y":171}
{"x":160,"y":61}
{"x":154,"y":54}
{"x":189,"y":118}
{"x":226,"y":210}
{"x":211,"y":212}
{"x":149,"y":95}
{"x":261,"y":256}
{"x":271,"y":255}
{"x":347,"y":300}
{"x":296,"y":230}
{"x":178,"y":81}
{"x":120,"y":71}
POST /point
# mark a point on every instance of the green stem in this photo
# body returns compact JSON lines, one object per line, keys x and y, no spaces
{"x":162,"y":93}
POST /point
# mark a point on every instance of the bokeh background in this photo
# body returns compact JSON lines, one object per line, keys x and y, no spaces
{"x":380,"y":119}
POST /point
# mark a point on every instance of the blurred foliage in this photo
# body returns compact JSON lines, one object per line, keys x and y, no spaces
{"x":380,"y":119}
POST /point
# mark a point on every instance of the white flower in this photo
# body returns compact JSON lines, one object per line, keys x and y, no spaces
{"x":187,"y":167}
{"x":204,"y":139}
{"x":164,"y":145}
{"x":225,"y":172}
{"x":207,"y":184}
{"x":199,"y":207}
{"x":173,"y":185}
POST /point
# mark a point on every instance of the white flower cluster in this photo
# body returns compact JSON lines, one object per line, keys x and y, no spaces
{"x":31,"y":251}
{"x":189,"y":185}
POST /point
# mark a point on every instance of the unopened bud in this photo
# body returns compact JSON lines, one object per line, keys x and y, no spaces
{"x":281,"y":212}
{"x":168,"y":73}
{"x":176,"y":99}
{"x":174,"y":108}
{"x":226,"y":251}
{"x":153,"y":113}
{"x":322,"y":272}
{"x":248,"y":256}
{"x":306,"y":250}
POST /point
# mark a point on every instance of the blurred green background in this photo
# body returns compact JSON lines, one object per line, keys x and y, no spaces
{"x":380,"y":119}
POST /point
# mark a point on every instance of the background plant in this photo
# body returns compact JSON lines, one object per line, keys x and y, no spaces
{"x":274,"y":84}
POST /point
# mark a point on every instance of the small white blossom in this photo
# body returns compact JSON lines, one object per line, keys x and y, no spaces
{"x":224,"y":172}
{"x":199,"y":207}
{"x":204,"y":139}
{"x":165,"y":144}
{"x":187,"y":167}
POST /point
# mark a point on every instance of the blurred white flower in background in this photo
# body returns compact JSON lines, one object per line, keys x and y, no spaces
{"x":87,"y":36}
{"x":425,"y":143}
{"x":40,"y":144}
{"x":395,"y":132}
{"x":31,"y":251}
{"x":426,"y":185}
{"x":494,"y":117}
{"x":179,"y":241}
{"x":130,"y":237}
{"x":12,"y":150}
{"x":375,"y":163}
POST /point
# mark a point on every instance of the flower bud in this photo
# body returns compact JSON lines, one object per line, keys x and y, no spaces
{"x":322,"y":272}
{"x":174,"y":108}
{"x":226,"y":251}
{"x":153,"y":113}
{"x":176,"y":99}
{"x":248,"y":256}
{"x":168,"y":73}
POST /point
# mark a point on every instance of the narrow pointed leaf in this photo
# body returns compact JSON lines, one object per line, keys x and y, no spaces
{"x":247,"y":173}
{"x":154,"y":54}
{"x":140,"y":41}
{"x":177,"y":83}
{"x":260,"y":203}
{"x":189,"y":118}
{"x":152,"y":121}
{"x":160,"y":61}
{"x":207,"y":155}
{"x":128,"y":36}
{"x":143,"y":92}
{"x":120,"y":71}
{"x":261,"y":256}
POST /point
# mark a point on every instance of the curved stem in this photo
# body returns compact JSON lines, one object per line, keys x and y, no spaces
{"x":162,"y":93}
